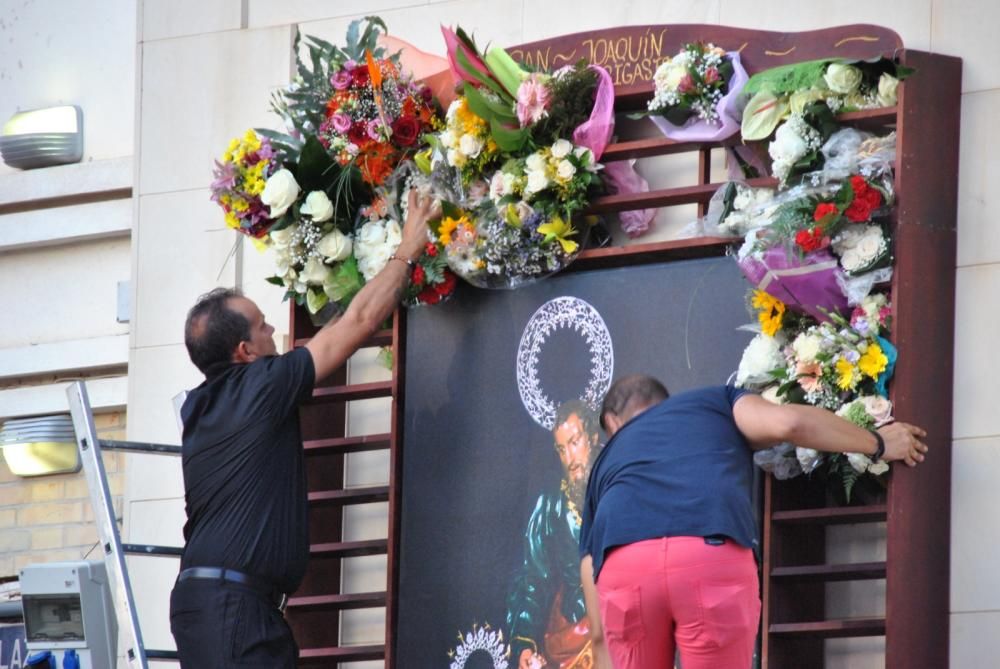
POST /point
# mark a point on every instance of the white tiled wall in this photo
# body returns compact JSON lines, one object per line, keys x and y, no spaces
{"x":205,"y":79}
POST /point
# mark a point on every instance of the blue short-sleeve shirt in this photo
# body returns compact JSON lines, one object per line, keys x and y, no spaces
{"x":680,"y":468}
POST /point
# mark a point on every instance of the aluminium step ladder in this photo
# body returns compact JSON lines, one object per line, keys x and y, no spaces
{"x":90,"y":447}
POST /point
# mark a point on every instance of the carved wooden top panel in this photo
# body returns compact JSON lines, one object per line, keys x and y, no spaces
{"x":631,"y":54}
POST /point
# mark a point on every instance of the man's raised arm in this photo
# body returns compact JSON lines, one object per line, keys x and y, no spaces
{"x":339,"y":339}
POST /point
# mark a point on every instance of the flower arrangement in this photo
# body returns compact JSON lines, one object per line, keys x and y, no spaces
{"x":819,"y":253}
{"x":353,"y":116}
{"x":840,"y":364}
{"x":374,"y":116}
{"x":817,"y":242}
{"x":696,"y":93}
{"x":240,"y":180}
{"x":522,"y":148}
{"x":796,"y":105}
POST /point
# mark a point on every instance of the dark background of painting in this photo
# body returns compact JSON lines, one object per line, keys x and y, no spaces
{"x":475,"y":461}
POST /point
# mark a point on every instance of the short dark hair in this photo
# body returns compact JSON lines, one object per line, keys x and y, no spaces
{"x":212,"y":330}
{"x":580,"y":408}
{"x":634,"y":391}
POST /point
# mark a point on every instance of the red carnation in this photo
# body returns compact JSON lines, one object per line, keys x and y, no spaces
{"x":360,"y":76}
{"x":824,"y":209}
{"x":859,"y":211}
{"x":873,"y":198}
{"x":811,"y":240}
{"x":418,"y":276}
{"x":428,"y":296}
{"x":445,"y":287}
{"x":405,"y":130}
{"x":431,"y":249}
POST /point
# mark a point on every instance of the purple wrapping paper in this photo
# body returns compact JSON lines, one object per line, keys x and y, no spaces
{"x":696,"y":130}
{"x":805,"y":284}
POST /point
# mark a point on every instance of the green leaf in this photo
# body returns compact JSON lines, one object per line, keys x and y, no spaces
{"x":353,"y":31}
{"x":275,"y":280}
{"x":788,"y":78}
{"x":314,"y":164}
{"x":471,"y":71}
{"x":344,"y":281}
{"x":487,"y":108}
{"x":508,"y":139}
{"x":385,"y":357}
{"x":315,"y":300}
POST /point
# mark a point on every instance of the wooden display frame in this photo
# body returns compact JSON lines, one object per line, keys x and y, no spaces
{"x":916,"y":506}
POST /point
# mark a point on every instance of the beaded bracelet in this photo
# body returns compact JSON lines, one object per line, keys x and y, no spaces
{"x":880,"y":448}
{"x":409,"y":263}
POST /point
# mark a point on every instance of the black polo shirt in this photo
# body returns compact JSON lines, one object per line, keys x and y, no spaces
{"x":244,"y":477}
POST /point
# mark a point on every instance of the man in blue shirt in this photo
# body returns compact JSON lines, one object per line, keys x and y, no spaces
{"x":668,"y":530}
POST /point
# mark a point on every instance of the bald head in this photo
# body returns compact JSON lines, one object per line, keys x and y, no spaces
{"x":628,"y":397}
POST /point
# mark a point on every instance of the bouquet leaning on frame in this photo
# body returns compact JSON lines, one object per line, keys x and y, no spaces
{"x":522,"y":149}
{"x":697,"y":94}
{"x":795,"y":104}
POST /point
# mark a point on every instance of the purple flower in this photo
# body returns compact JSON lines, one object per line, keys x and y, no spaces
{"x":341,"y":80}
{"x":373,"y":129}
{"x":341,"y":122}
{"x":225,"y":179}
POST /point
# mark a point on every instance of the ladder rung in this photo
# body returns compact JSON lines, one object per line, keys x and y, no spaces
{"x":666,"y":197}
{"x":365,"y":495}
{"x":831,"y":629}
{"x":342,"y":653}
{"x":144,"y":549}
{"x":345,"y":549}
{"x":859,"y":571}
{"x":368,"y":442}
{"x":841,"y":515}
{"x":161,"y":654}
{"x":140,"y":447}
{"x":358,"y":391}
{"x":361,"y":600}
{"x":380,"y":338}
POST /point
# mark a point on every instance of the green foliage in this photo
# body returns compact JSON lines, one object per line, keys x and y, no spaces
{"x":303,"y":105}
{"x":789,"y":78}
{"x":575,"y":90}
{"x":345,"y":282}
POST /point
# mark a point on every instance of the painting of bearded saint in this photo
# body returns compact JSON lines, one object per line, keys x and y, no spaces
{"x":546,"y":614}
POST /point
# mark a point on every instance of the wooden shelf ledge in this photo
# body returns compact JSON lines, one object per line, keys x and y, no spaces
{"x":340,"y":654}
{"x":350,"y":393}
{"x":368,"y":442}
{"x":860,"y":571}
{"x":346,"y":549}
{"x":362,"y":495}
{"x":841,"y":515}
{"x":831,"y":629}
{"x":361,"y":600}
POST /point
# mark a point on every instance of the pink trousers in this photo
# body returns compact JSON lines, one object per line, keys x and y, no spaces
{"x":680,"y":593}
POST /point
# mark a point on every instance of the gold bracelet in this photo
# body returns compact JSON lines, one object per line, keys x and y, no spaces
{"x":409,"y":263}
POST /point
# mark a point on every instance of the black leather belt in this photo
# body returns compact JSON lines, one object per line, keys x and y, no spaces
{"x":271,"y":593}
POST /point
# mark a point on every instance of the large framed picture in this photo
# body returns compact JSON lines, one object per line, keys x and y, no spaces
{"x":500,"y":429}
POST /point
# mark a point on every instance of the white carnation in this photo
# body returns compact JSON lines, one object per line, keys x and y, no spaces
{"x":761,"y":355}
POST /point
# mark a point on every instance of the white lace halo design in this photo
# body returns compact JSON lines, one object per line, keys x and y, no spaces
{"x":558,"y":313}
{"x":480,"y":639}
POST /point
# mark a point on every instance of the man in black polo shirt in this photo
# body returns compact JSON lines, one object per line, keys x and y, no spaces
{"x":246,"y":536}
